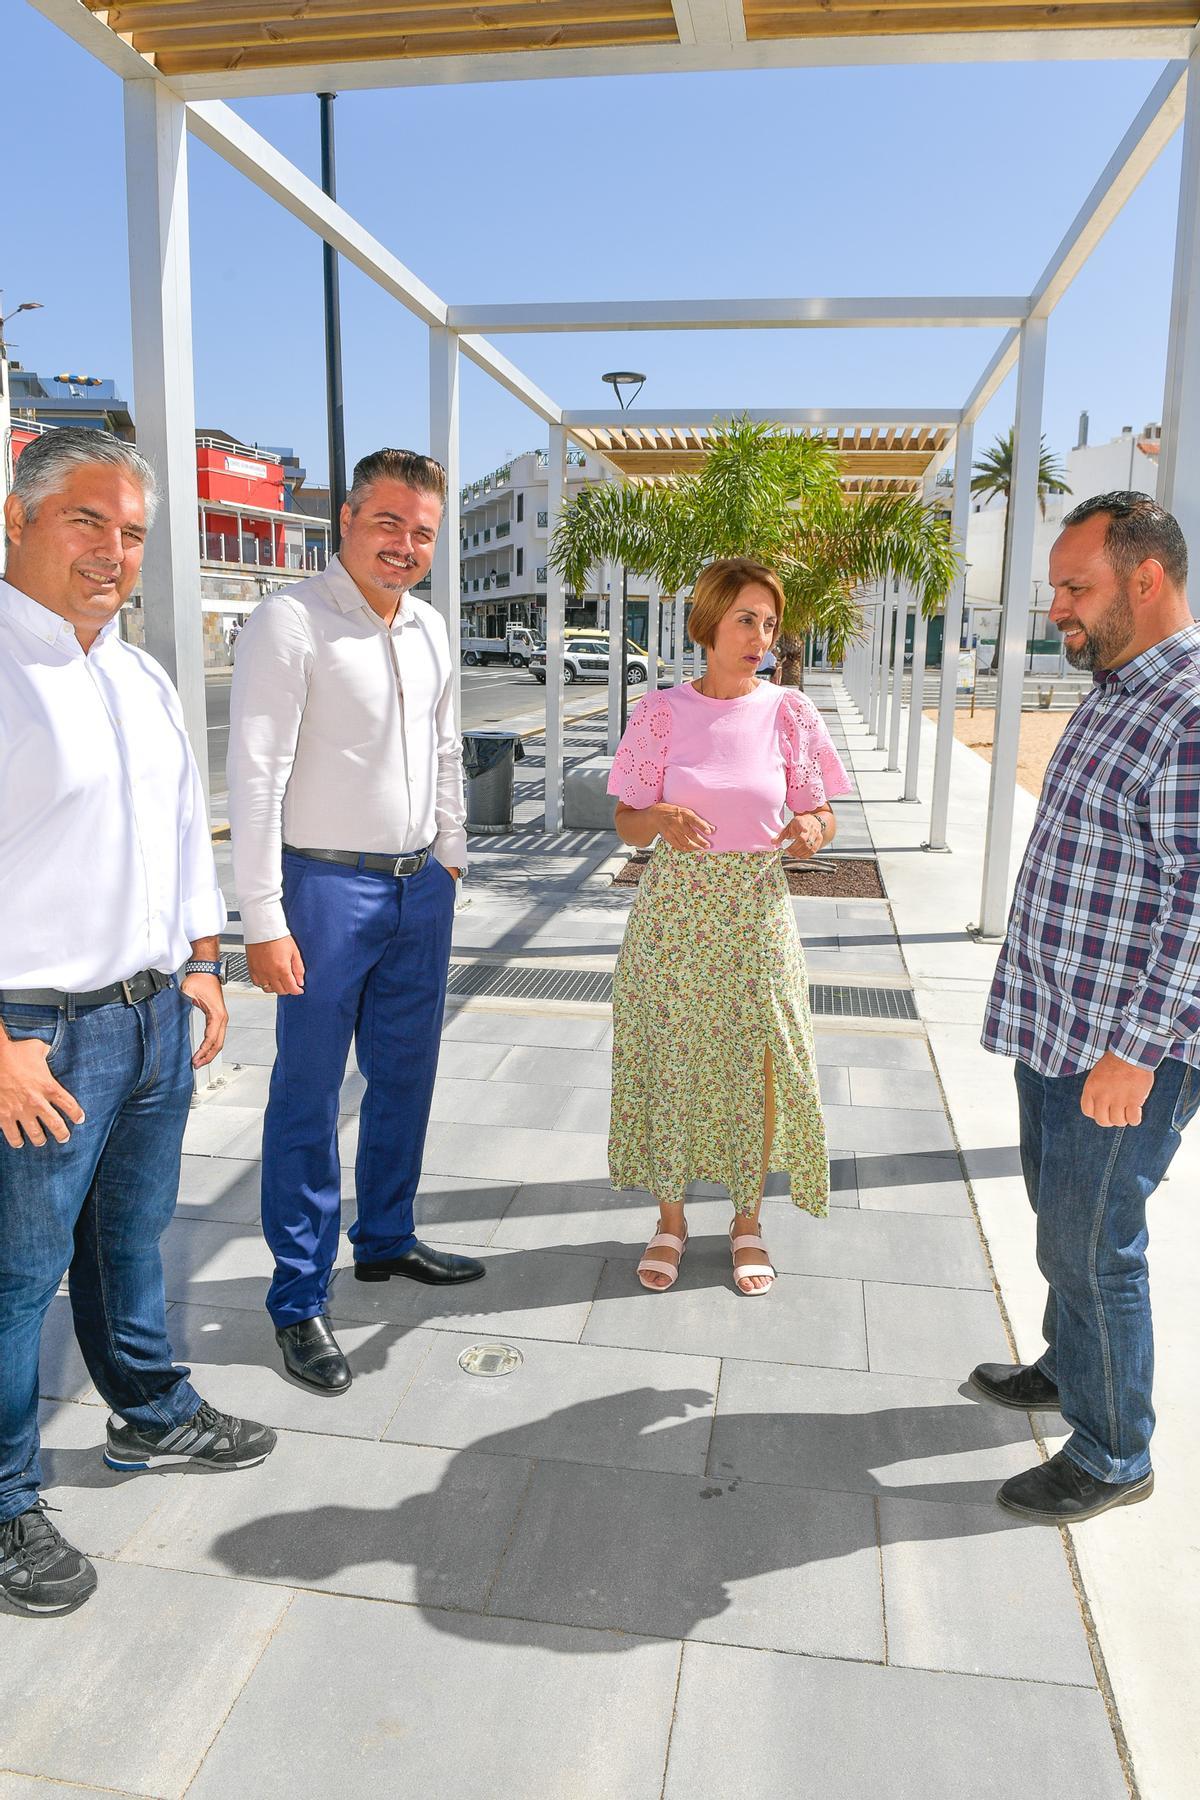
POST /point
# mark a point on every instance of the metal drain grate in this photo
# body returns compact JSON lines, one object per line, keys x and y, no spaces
{"x":830,"y":1002}
{"x":593,"y":987}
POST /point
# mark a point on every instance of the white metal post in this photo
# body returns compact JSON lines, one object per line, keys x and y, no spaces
{"x":556,"y":496}
{"x":892,"y":765}
{"x":615,"y":576}
{"x":960,"y":514}
{"x":870,"y":670}
{"x":446,"y":583}
{"x":916,"y":700}
{"x":1014,"y":626}
{"x":164,"y":401}
{"x":653,"y":617}
{"x":885,"y":652}
{"x":1179,"y":456}
{"x":677,"y":647}
{"x":6,"y":465}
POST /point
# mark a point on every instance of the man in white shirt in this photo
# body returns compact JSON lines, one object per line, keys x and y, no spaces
{"x":107,"y":886}
{"x":346,"y":806}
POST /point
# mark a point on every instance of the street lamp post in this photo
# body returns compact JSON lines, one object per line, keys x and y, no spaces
{"x":617,"y":379}
{"x":5,"y":403}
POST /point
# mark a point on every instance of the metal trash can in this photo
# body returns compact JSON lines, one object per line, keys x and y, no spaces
{"x":488,"y":758}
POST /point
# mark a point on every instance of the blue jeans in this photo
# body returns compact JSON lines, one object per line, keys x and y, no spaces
{"x":1088,"y":1185}
{"x":376,"y":951}
{"x":95,"y":1208}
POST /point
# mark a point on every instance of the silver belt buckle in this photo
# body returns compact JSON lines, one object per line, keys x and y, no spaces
{"x":398,"y":868}
{"x":127,"y":991}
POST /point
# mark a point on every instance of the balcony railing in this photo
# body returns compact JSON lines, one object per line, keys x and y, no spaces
{"x":543,"y":520}
{"x":503,"y":529}
{"x":258,"y":553}
{"x":541,"y":575}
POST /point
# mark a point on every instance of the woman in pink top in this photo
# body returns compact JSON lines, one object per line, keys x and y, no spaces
{"x":714,"y":1069}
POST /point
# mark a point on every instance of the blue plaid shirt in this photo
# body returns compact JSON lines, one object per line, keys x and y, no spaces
{"x":1103,"y":944}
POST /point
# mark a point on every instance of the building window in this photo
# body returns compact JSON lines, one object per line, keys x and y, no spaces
{"x":520,"y":560}
{"x":543,"y":520}
{"x":520,"y":508}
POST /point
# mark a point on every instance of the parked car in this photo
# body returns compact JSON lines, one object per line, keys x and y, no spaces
{"x":516,"y":648}
{"x":586,"y":659}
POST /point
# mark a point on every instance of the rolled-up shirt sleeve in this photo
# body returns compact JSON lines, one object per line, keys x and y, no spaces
{"x":271,"y":674}
{"x":1165,"y":1005}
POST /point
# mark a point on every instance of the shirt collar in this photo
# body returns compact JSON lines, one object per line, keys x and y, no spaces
{"x":49,"y":626}
{"x":1149,"y":666}
{"x":348,"y":596}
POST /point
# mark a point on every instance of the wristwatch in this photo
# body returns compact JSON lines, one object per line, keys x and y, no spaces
{"x":203,"y":965}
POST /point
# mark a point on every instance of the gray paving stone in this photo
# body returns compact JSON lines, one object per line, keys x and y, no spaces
{"x":557,"y":1067}
{"x":220,"y":1188}
{"x":846,"y":1731}
{"x":213,"y":1126}
{"x":100,"y":1509}
{"x":571,"y":1402}
{"x":932,"y":1331}
{"x":392,"y":1521}
{"x":448,"y":1706}
{"x":156,"y":1659}
{"x":912,"y":1183}
{"x":800,"y":1320}
{"x":866,"y":1433}
{"x":517,"y":1153}
{"x":598,"y":1220}
{"x":236,"y":1364}
{"x":886,"y":1130}
{"x":965,"y":1588}
{"x":586,"y":1109}
{"x":62,"y":1372}
{"x":469,"y":1105}
{"x":913,"y":1088}
{"x":872,"y":1050}
{"x":467,"y":1061}
{"x":534,"y":1293}
{"x":247,"y":1084}
{"x":250,"y":1044}
{"x":680,"y":1556}
{"x":835,"y":1085}
{"x":565,"y":1031}
{"x":30,"y":1787}
{"x":214,"y":1264}
{"x":879,"y":1246}
{"x":455,"y":1209}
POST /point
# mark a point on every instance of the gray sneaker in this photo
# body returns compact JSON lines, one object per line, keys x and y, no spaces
{"x":39,"y":1571}
{"x":214,"y":1439}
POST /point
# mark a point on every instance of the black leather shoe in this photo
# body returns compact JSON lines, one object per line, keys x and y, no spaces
{"x":311,"y":1355}
{"x":1023,"y":1386}
{"x":437,"y":1267}
{"x":1059,"y":1492}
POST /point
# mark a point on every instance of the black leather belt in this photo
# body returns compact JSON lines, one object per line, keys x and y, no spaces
{"x":128,"y":993}
{"x":367,"y":859}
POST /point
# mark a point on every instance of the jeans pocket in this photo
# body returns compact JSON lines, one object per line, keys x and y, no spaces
{"x":47,"y":1024}
{"x":1187,"y":1101}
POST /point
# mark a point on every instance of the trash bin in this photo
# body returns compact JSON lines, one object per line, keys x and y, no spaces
{"x":488,"y":758}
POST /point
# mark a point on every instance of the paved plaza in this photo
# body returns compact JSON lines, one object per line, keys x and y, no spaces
{"x":695,"y":1545}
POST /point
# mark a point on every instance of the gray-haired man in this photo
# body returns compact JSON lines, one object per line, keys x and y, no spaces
{"x":107,"y":886}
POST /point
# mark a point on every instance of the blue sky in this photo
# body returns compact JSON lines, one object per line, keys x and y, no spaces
{"x":956,"y":180}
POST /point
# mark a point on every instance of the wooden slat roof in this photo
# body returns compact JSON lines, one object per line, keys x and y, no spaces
{"x":881,"y":458}
{"x":211,"y":37}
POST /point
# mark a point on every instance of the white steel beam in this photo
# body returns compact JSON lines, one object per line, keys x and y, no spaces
{"x":160,"y":292}
{"x":1014,"y":628}
{"x":486,"y":357}
{"x":92,"y":34}
{"x":818,"y":314}
{"x":1179,"y":455}
{"x":556,"y":497}
{"x":964,"y":451}
{"x":685,"y":418}
{"x":1100,"y":44}
{"x":446,"y":573}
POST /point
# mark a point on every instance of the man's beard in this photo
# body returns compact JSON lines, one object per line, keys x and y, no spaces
{"x":1108,"y":637}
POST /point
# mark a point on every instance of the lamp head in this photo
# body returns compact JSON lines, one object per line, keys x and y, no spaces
{"x":622,"y":378}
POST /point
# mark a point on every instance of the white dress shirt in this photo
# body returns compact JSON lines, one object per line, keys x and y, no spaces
{"x":342,"y":737}
{"x":106,"y":862}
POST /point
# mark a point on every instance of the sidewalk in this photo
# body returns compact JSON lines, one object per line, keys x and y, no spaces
{"x":693,"y":1546}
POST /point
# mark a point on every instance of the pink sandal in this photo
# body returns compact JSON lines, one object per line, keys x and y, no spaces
{"x":746,"y":1270}
{"x":651,"y":1265}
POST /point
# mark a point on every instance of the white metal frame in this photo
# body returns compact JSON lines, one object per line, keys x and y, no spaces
{"x":712,"y":36}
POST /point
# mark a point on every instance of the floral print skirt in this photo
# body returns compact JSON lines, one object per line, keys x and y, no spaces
{"x":711,"y":976}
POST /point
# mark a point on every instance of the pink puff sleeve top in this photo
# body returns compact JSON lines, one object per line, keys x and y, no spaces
{"x":737,"y":763}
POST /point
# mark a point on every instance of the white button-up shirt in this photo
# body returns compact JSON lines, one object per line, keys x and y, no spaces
{"x":342,"y":737}
{"x":106,"y":862}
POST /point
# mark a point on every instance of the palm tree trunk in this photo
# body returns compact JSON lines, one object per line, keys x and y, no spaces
{"x":790,"y":651}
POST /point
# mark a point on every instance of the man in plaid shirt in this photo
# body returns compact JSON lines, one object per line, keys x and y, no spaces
{"x":1097,"y":996}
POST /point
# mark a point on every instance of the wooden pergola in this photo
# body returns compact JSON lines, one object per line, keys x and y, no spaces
{"x":181,"y":61}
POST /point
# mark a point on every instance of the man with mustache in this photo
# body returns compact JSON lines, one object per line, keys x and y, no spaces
{"x":346,"y":807}
{"x":107,"y":890}
{"x":1097,"y":996}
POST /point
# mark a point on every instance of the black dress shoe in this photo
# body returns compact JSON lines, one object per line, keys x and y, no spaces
{"x":1023,"y":1386}
{"x":311,"y":1355}
{"x":1059,"y":1492}
{"x":437,"y":1267}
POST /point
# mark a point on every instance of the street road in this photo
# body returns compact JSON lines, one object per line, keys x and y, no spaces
{"x":489,"y":697}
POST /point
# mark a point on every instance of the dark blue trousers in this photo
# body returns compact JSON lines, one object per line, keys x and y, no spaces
{"x":376,"y":950}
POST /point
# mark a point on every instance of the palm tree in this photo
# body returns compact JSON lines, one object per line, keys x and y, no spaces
{"x":993,"y":477}
{"x":764,"y":493}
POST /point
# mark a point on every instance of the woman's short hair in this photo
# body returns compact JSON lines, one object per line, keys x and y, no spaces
{"x":717,"y":588}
